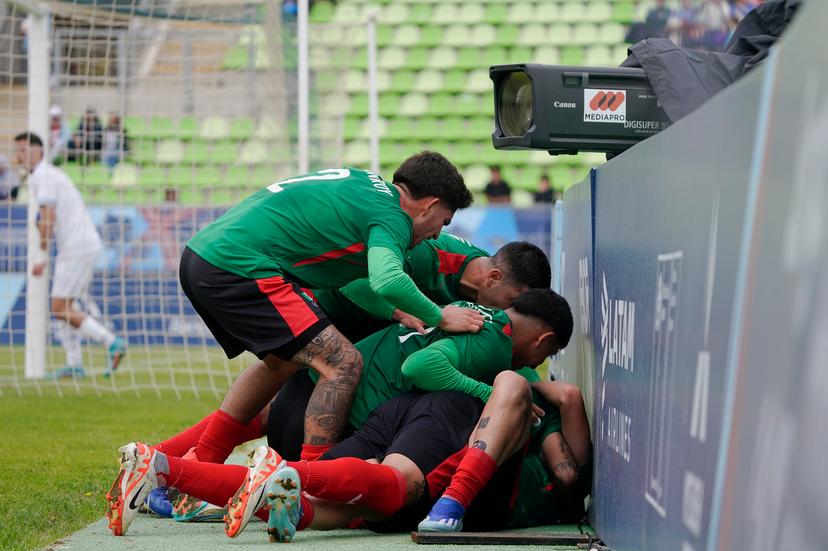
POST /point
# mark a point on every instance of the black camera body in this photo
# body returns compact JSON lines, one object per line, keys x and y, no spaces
{"x":566,"y":109}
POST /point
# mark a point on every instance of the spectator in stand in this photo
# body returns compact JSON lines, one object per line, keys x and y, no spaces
{"x":9,"y":182}
{"x":740,"y":8}
{"x":683,"y":27}
{"x":544,"y":193}
{"x":657,"y":18}
{"x":498,"y":191}
{"x":87,"y":141}
{"x":59,"y":134}
{"x":115,"y":142}
{"x":715,"y":18}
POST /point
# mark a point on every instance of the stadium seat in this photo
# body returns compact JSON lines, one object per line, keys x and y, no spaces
{"x":533,"y":34}
{"x":402,"y":82}
{"x":170,"y":152}
{"x":419,"y":13}
{"x":356,"y":80}
{"x":395,"y":12}
{"x":413,"y":104}
{"x":443,"y":58}
{"x":348,"y":13}
{"x":365,"y":130}
{"x":241,"y":128}
{"x":152,"y":177}
{"x":446,"y":13}
{"x":187,"y":128}
{"x":547,"y":12}
{"x":522,"y":198}
{"x":429,"y":80}
{"x":598,"y":11}
{"x":162,"y":127}
{"x":237,"y":176}
{"x":389,"y":105}
{"x":507,"y":35}
{"x":214,"y":128}
{"x":96,"y":175}
{"x":124,"y":175}
{"x":623,"y":12}
{"x":599,"y":56}
{"x":253,"y":152}
{"x":549,"y":55}
{"x":611,"y":34}
{"x":321,"y":12}
{"x":197,"y":153}
{"x":179,"y":177}
{"x":520,"y":12}
{"x":455,"y":81}
{"x":74,"y":172}
{"x":519,"y":54}
{"x":572,"y":12}
{"x":142,"y":151}
{"x":441,"y":104}
{"x":476,"y":177}
{"x":496,"y":13}
{"x":468,"y":58}
{"x":431,"y":35}
{"x":405,"y":35}
{"x":357,"y":154}
{"x":391,"y":58}
{"x":560,"y":34}
{"x":572,"y":55}
{"x":207,"y":177}
{"x":268,"y":129}
{"x":419,"y":58}
{"x":585,"y":34}
{"x":224,"y":153}
{"x":483,"y":35}
{"x":457,"y":35}
{"x":479,"y":81}
{"x":471,"y":12}
{"x":134,"y":126}
{"x":494,"y":55}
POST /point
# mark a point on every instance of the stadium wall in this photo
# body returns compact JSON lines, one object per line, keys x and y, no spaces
{"x":702,"y":305}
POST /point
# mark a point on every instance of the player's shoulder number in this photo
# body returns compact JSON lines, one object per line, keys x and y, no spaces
{"x":327,"y":174}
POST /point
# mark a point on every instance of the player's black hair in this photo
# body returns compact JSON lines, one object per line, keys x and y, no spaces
{"x":549,"y":307}
{"x":524,"y":264}
{"x":429,"y":174}
{"x":30,"y":137}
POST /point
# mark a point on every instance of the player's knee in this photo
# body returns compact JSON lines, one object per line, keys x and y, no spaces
{"x":566,"y":476}
{"x":60,"y":307}
{"x":513,"y":388}
{"x":570,"y":395}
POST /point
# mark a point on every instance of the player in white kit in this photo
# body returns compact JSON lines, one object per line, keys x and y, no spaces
{"x":62,"y":215}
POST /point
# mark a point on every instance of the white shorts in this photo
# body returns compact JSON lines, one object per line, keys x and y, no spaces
{"x":73,"y":274}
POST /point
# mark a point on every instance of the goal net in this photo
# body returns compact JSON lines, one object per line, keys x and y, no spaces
{"x":163,"y":113}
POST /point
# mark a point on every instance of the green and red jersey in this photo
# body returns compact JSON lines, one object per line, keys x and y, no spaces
{"x":475,"y":356}
{"x":315,"y":229}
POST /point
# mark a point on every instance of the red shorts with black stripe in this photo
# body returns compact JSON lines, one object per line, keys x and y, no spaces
{"x":263,"y":316}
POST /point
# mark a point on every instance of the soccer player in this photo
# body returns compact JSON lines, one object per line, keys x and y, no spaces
{"x":244,"y":272}
{"x":62,"y":215}
{"x":537,"y":325}
{"x":446,"y":270}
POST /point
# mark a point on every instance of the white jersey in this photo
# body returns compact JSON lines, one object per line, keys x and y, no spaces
{"x":74,"y":231}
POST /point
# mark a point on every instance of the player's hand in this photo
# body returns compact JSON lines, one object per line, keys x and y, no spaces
{"x":38,"y":269}
{"x":407,"y":320}
{"x":457,"y":319}
{"x":536,"y":414}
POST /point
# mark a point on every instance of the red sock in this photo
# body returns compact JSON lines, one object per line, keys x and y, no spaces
{"x":181,"y":443}
{"x":211,"y":482}
{"x":222,"y":434}
{"x":351,"y":480}
{"x":312,"y":453}
{"x":307,"y":513}
{"x":474,"y":472}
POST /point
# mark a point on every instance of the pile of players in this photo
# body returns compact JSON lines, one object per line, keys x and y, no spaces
{"x":434,"y":419}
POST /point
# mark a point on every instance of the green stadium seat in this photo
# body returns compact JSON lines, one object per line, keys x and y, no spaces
{"x":162,"y":127}
{"x":142,"y":151}
{"x":359,"y":59}
{"x":197,"y":153}
{"x":241,"y":128}
{"x":494,"y":55}
{"x":520,"y":54}
{"x":428,"y":80}
{"x":472,"y":104}
{"x":457,"y":35}
{"x":348,"y":13}
{"x":395,"y":12}
{"x":237,"y":176}
{"x":549,"y":55}
{"x":224,"y":153}
{"x":357,"y":154}
{"x":385,"y":36}
{"x":214,"y":128}
{"x":179,"y":177}
{"x":620,"y":53}
{"x":254,"y":152}
{"x":208,"y":177}
{"x":572,"y":55}
{"x":483,"y":35}
{"x":479,"y":81}
{"x":507,"y":35}
{"x":124,"y":175}
{"x":136,"y":127}
{"x":611,"y":34}
{"x":572,"y":12}
{"x":455,"y":81}
{"x":598,"y":12}
{"x":534,"y":34}
{"x":418,"y":58}
{"x":443,"y":58}
{"x":495,"y":13}
{"x":152,"y":177}
{"x":74,"y":172}
{"x":359,"y":104}
{"x":406,"y":36}
{"x":389,"y":105}
{"x":402,"y":82}
{"x":471,"y":12}
{"x":441,"y":104}
{"x":599,"y":56}
{"x":383,"y":81}
{"x":469,"y":58}
{"x":108,"y":195}
{"x":170,"y":151}
{"x":480,"y":128}
{"x":222,"y":197}
{"x":476,"y":177}
{"x":96,"y":175}
{"x":419,"y":13}
{"x":454,"y":128}
{"x":560,"y":34}
{"x":321,"y":12}
{"x":391,"y":58}
{"x":522,"y":198}
{"x":623,"y":12}
{"x":365,"y":128}
{"x":413,"y":104}
{"x":584,"y":34}
{"x":520,"y":12}
{"x":431,"y":35}
{"x":187,"y":128}
{"x":326,"y":81}
{"x":426,"y":129}
{"x":465,"y":153}
{"x":333,"y":35}
{"x":268,"y":129}
{"x":446,"y":14}
{"x":547,"y":12}
{"x":190,"y":196}
{"x":400,"y":128}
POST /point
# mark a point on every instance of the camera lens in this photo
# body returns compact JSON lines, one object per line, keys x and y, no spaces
{"x":514,"y":110}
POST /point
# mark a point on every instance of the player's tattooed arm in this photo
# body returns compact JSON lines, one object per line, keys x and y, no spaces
{"x":339,"y":365}
{"x":560,"y":459}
